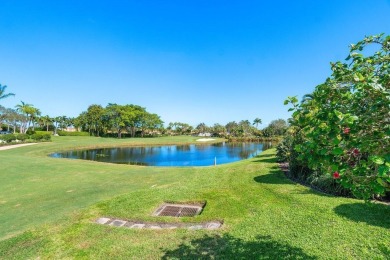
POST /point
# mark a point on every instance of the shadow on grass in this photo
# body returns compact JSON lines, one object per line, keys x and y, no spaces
{"x":274,"y":177}
{"x":229,"y":247}
{"x":372,"y":214}
{"x":313,"y":191}
{"x":277,"y":177}
{"x":265,"y":158}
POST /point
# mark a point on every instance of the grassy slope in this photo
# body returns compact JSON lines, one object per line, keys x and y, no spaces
{"x":35,"y":188}
{"x":265,"y":215}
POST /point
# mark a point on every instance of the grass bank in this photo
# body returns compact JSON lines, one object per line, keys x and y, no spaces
{"x":265,"y":215}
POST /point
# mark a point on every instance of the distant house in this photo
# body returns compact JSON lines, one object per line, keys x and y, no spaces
{"x":70,"y":129}
{"x":205,"y":134}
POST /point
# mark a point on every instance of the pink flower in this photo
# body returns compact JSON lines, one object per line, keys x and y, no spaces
{"x":336,"y":175}
{"x":346,"y":130}
{"x":355,"y":152}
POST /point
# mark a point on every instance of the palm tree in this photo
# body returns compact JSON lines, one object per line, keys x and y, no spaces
{"x":34,"y":117}
{"x":30,"y":113}
{"x":2,"y":92}
{"x":256,"y":122}
{"x":46,"y":121}
{"x":58,"y":123}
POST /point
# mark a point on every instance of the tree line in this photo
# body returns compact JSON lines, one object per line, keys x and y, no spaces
{"x":114,"y":118}
{"x":131,"y":120}
{"x":243,"y":128}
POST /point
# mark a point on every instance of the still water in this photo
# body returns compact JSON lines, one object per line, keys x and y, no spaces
{"x":171,"y":155}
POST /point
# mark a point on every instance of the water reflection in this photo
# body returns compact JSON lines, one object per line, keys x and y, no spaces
{"x":171,"y":155}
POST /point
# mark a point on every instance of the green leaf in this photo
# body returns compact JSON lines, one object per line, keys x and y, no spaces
{"x":335,"y":141}
{"x":377,"y":159}
{"x":380,"y":181}
{"x":337,"y":151}
{"x":338,"y":114}
{"x":383,"y":170}
{"x":351,"y":119}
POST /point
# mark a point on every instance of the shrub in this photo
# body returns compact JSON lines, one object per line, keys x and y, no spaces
{"x":8,"y":137}
{"x":30,"y":131}
{"x":22,"y":137}
{"x":343,"y":127}
{"x":41,"y":137}
{"x":42,"y":132}
{"x":65,"y":133}
{"x":115,"y":135}
{"x":283,"y":149}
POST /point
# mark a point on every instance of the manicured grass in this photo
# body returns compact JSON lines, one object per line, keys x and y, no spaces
{"x":265,"y":215}
{"x":35,"y":188}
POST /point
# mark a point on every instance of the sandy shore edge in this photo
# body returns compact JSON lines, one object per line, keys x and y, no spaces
{"x":205,"y":140}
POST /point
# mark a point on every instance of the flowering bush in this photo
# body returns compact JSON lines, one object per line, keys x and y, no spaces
{"x":344,"y":125}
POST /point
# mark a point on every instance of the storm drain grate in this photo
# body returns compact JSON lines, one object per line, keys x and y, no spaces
{"x":178,"y":210}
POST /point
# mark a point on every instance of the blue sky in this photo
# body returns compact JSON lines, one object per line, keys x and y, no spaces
{"x":188,"y":61}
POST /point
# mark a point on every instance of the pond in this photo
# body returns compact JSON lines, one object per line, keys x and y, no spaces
{"x":170,"y":155}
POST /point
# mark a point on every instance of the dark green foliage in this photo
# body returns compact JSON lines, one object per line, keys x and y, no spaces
{"x":283,"y":149}
{"x":42,"y":132}
{"x":22,"y":137}
{"x":301,"y":173}
{"x":99,"y":121}
{"x":8,"y":137}
{"x":30,"y":131}
{"x":65,"y":133}
{"x":41,"y":137}
{"x":342,"y":129}
{"x":276,"y":128}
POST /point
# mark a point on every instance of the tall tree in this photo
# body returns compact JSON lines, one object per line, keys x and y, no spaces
{"x":245,"y":128}
{"x":257,"y":122}
{"x":113,"y":118}
{"x":12,"y":118}
{"x":94,"y":117}
{"x":46,"y":121}
{"x":231,"y":127}
{"x":57,"y":122}
{"x":80,"y":122}
{"x":179,"y":128}
{"x":29,"y":112}
{"x":218,"y":130}
{"x":202,"y":128}
{"x":63,"y":122}
{"x":34,"y":117}
{"x":150,"y":122}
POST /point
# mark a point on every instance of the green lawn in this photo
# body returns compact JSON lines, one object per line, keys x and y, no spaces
{"x":47,"y":207}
